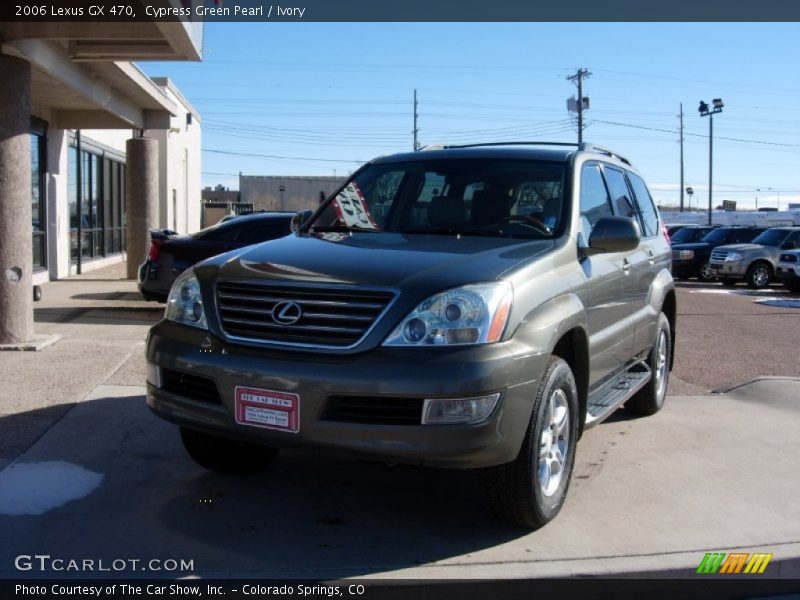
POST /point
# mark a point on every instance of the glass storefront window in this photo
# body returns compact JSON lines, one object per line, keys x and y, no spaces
{"x":38,"y":204}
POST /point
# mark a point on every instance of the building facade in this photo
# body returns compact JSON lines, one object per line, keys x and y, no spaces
{"x":92,"y":152}
{"x":284,"y":193}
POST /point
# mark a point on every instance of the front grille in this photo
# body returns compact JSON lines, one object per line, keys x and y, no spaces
{"x":195,"y":387}
{"x":335,"y":317}
{"x":788,"y":258}
{"x":718,"y":256}
{"x":376,"y":410}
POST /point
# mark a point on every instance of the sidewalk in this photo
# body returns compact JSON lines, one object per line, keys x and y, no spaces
{"x":104,"y":322}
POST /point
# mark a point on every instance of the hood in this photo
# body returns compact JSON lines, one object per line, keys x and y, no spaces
{"x":381,"y":259}
{"x":693,"y":246}
{"x":741,"y":247}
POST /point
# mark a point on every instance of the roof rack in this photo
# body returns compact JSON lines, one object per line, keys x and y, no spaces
{"x":509,"y":144}
{"x":583,"y":146}
{"x":587,"y":147}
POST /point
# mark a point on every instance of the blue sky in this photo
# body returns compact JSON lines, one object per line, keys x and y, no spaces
{"x":324,"y":96}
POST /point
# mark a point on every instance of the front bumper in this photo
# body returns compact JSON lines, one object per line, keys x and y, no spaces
{"x":381,"y":372}
{"x":729,"y":270}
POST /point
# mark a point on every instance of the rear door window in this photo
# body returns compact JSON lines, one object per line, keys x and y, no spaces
{"x":645,"y":203}
{"x":595,"y":203}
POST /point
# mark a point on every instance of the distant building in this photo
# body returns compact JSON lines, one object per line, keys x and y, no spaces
{"x":287,"y":193}
{"x":219,"y":194}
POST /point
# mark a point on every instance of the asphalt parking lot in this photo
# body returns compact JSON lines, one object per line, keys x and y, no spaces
{"x":90,"y":473}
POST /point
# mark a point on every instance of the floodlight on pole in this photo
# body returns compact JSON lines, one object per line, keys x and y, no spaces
{"x":704,"y":111}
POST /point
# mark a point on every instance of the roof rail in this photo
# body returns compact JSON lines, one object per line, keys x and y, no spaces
{"x":510,"y":144}
{"x":587,"y":147}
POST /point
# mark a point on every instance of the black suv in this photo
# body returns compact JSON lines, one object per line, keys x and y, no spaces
{"x":691,"y":260}
{"x":464,"y":307}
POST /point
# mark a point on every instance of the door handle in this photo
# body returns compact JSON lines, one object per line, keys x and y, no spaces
{"x":626,"y":266}
{"x":651,"y":257}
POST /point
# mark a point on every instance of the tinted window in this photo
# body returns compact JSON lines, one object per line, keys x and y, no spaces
{"x":261,"y":230}
{"x":743,"y":236}
{"x":486,"y":197}
{"x":719,"y":236}
{"x":595,"y":203}
{"x":687,"y":235}
{"x":219,"y":233}
{"x":645,"y":203}
{"x":620,"y":194}
{"x":771,"y":237}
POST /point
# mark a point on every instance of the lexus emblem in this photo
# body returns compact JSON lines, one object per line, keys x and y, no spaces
{"x":287,"y":312}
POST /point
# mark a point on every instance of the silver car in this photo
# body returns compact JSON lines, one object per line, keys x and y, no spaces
{"x":753,"y":263}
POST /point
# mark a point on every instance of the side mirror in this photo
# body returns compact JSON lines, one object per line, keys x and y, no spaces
{"x":298,"y":219}
{"x":613,"y":234}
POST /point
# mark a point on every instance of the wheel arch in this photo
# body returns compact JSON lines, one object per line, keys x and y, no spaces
{"x":573,"y":348}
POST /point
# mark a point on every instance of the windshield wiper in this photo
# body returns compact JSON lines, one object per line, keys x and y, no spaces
{"x":340,"y":229}
{"x":468,"y":232}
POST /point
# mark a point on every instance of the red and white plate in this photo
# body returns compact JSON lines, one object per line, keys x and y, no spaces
{"x":269,"y":409}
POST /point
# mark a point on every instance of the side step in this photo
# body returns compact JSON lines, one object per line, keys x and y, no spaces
{"x":608,"y":398}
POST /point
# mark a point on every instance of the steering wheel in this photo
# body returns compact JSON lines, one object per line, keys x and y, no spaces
{"x":527,"y":220}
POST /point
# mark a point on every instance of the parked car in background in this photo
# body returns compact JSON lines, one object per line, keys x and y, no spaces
{"x":463,"y":307}
{"x":170,"y":255}
{"x":788,"y":269}
{"x":673,"y":229}
{"x":753,"y":263}
{"x":690,"y":233}
{"x":691,"y":260}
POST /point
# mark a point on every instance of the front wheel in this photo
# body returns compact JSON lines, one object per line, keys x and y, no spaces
{"x":705,"y":274}
{"x":758,"y":275}
{"x":650,"y":399}
{"x":530,"y":491}
{"x":224,"y":455}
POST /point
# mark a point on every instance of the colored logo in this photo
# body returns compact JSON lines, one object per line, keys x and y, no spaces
{"x":735,"y":562}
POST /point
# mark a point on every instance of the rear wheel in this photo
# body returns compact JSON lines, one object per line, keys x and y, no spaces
{"x":650,"y":398}
{"x":224,"y":455}
{"x":759,"y":275}
{"x":530,"y":491}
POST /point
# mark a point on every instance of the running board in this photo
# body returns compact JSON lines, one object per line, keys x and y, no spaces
{"x":609,"y":397}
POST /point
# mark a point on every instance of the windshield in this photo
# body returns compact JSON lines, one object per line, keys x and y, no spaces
{"x":771,"y":237}
{"x":487,"y":197}
{"x":716,"y":236}
{"x":688,"y":235}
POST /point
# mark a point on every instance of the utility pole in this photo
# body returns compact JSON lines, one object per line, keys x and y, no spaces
{"x":416,"y":129}
{"x":681,"y":141}
{"x":577,"y":79}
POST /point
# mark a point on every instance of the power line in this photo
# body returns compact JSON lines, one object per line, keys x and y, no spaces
{"x":331,"y":160}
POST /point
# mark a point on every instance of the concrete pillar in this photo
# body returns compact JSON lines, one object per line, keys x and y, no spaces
{"x":141,"y":199}
{"x":16,"y":260}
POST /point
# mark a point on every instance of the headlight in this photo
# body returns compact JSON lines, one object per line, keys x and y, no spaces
{"x":473,"y":314}
{"x":185,"y":305}
{"x":733,"y":257}
{"x":686,"y":254}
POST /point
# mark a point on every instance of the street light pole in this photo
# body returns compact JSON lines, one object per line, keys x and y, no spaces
{"x":704,"y":111}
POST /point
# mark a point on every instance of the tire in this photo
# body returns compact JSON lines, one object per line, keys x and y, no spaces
{"x":703,"y":273}
{"x":224,"y":455}
{"x":759,"y":275}
{"x":728,"y":282}
{"x":650,"y":399}
{"x":526,"y":492}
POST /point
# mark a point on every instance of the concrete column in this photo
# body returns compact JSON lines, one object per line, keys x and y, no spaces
{"x":16,"y":260}
{"x":141,"y":199}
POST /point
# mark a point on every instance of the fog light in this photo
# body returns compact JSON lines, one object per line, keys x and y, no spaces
{"x":153,"y":375}
{"x":458,"y":410}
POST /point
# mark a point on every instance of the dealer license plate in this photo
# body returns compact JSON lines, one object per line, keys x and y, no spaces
{"x":269,"y":409}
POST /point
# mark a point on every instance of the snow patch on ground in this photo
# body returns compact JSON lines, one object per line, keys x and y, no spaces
{"x":36,"y":488}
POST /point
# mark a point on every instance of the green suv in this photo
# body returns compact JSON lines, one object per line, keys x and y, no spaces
{"x":464,"y":307}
